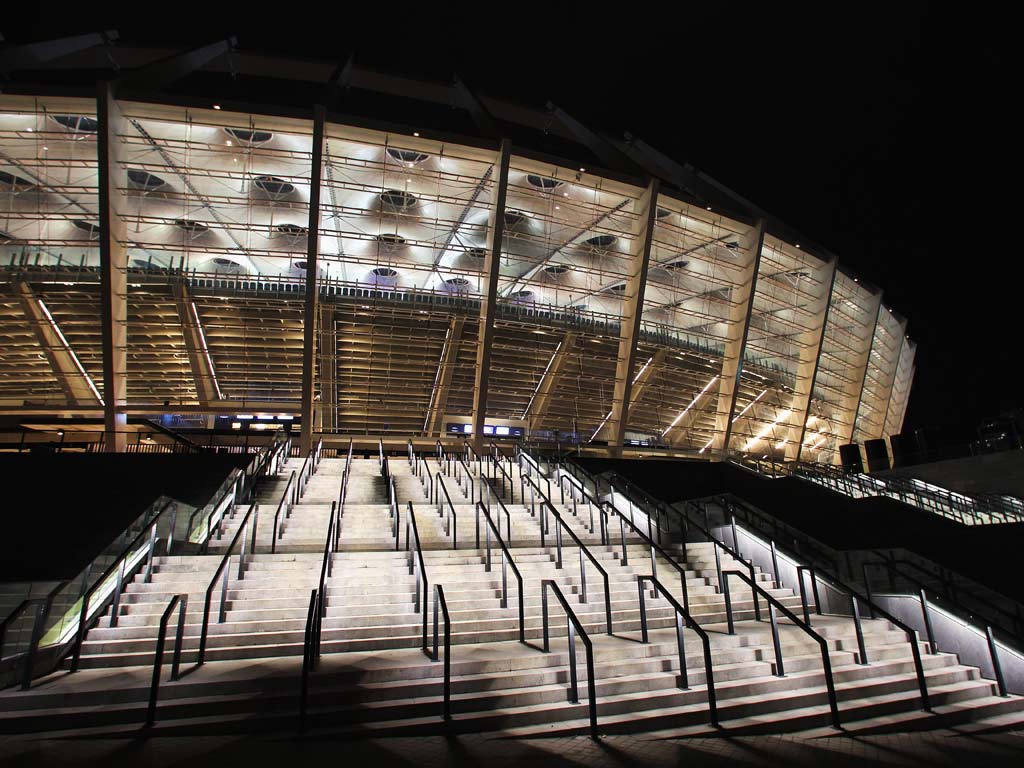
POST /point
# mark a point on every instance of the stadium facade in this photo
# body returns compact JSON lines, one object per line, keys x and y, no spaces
{"x":167,"y":253}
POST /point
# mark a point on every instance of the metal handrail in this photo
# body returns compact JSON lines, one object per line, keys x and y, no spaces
{"x":573,"y":624}
{"x":449,"y":528}
{"x":243,"y":526}
{"x":303,"y":476}
{"x":774,"y":604}
{"x":587,"y":498}
{"x":469,"y":479}
{"x":682,"y":614}
{"x":416,"y":558}
{"x":120,"y":565}
{"x":469,"y":449}
{"x":838,"y":586}
{"x":439,"y":602}
{"x":393,"y":512}
{"x":505,"y":476}
{"x":890,"y":566}
{"x":655,"y":549}
{"x":344,"y":479}
{"x":308,"y":641}
{"x":287,"y":505}
{"x":506,"y":559}
{"x":231,"y":488}
{"x":43,"y":607}
{"x":181,"y":603}
{"x":561,"y":526}
{"x":508,"y":516}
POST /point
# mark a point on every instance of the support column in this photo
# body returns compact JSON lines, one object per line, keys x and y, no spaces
{"x":442,"y":384}
{"x":113,"y":274}
{"x":861,"y":372}
{"x":904,"y":350}
{"x":488,"y":302}
{"x":312,"y":290}
{"x":537,"y":408}
{"x":207,"y":390}
{"x":736,"y":347}
{"x":629,"y":333}
{"x":79,"y":389}
{"x":802,"y":403}
{"x":327,"y":415}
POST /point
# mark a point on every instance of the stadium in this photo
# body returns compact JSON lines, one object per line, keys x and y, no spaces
{"x":624,"y":299}
{"x":323,"y":401}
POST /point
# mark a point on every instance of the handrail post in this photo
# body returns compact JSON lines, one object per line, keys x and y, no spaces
{"x":997,"y":668}
{"x":928,"y":623}
{"x":861,"y":648}
{"x":780,"y":669}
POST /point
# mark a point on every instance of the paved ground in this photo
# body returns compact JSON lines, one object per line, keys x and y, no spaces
{"x":936,"y":748}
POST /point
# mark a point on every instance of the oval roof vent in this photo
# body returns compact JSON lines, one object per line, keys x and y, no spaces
{"x":391,"y":241}
{"x":600,"y":241}
{"x":476,"y":253}
{"x":292,"y":230}
{"x":545,"y":183}
{"x":273,"y":186}
{"x":192,"y":227}
{"x":456,"y":282}
{"x":91,"y":228}
{"x":514,"y":219}
{"x":78,"y":123}
{"x":247,"y":137}
{"x":384,"y":272}
{"x":407,"y":156}
{"x":144,"y":180}
{"x":556,"y":269}
{"x":398,"y":199}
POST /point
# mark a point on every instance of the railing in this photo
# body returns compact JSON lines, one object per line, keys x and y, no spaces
{"x":110,"y":585}
{"x":43,"y":606}
{"x":385,"y":470}
{"x":488,"y":495}
{"x":770,"y":558}
{"x":223,"y":573}
{"x":311,"y":638}
{"x":969,"y":510}
{"x":393,"y":513}
{"x":560,"y":526}
{"x":470,"y":486}
{"x":574,"y":626}
{"x":773,"y":605}
{"x":505,"y":476}
{"x":966,"y":598}
{"x":451,"y":523}
{"x":470,"y":451}
{"x":591,"y":502}
{"x":285,"y":504}
{"x":1011,"y":623}
{"x":444,"y":459}
{"x":419,"y":567}
{"x":506,"y":560}
{"x":441,"y":606}
{"x":181,"y":603}
{"x":682,"y":615}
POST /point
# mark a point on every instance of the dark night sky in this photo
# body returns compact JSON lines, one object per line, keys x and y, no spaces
{"x":882,"y":132}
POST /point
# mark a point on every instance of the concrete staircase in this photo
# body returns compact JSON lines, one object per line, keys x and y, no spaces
{"x":374,"y":678}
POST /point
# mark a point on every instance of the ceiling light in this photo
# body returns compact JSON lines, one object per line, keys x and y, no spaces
{"x":216,"y":106}
{"x":798,"y":245}
{"x":583,"y":170}
{"x":415,"y":133}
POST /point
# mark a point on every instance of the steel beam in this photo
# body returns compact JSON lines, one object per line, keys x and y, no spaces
{"x":154,"y":76}
{"x":802,"y":403}
{"x":547,"y":388}
{"x":113,"y":269}
{"x":736,"y":348}
{"x":78,"y":388}
{"x":309,"y":316}
{"x":443,"y":382}
{"x":199,"y":360}
{"x":31,"y":55}
{"x":904,"y":349}
{"x":632,"y":311}
{"x":488,"y":304}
